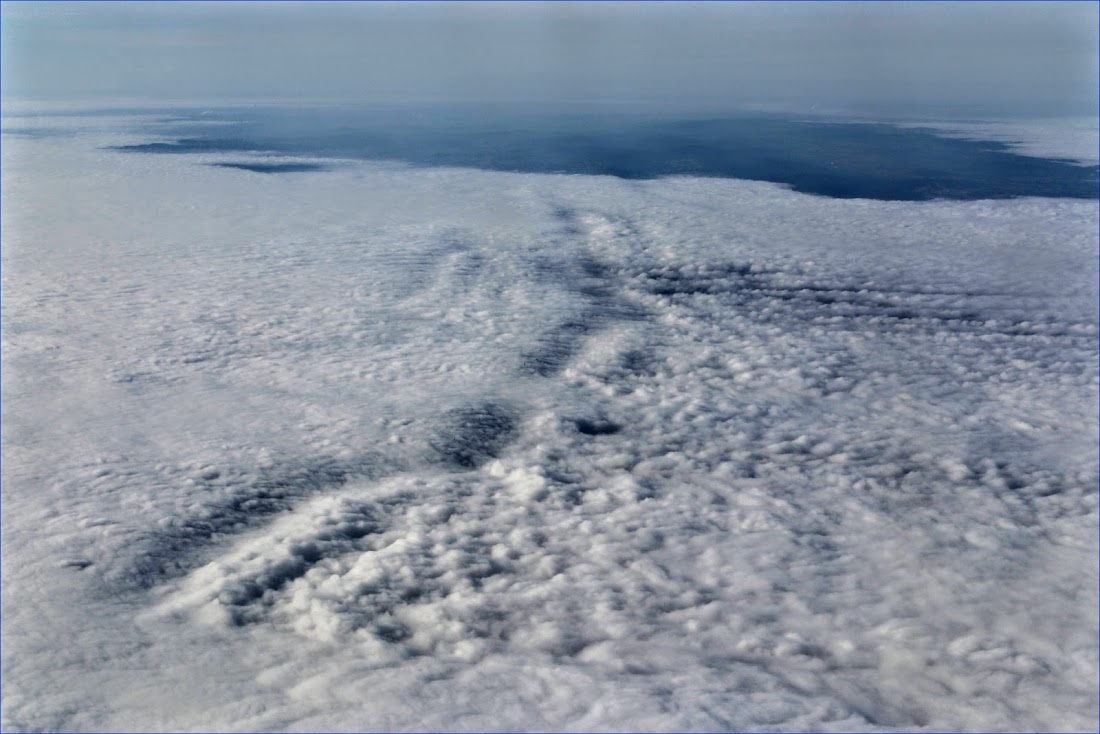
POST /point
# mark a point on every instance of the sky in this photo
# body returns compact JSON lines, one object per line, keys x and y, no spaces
{"x":1031,"y":59}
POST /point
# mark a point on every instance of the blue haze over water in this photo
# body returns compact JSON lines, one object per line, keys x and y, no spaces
{"x":843,"y":159}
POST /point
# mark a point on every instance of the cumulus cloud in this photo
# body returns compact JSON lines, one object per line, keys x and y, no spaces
{"x":382,"y":448}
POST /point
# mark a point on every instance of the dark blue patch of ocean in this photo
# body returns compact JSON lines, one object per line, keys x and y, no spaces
{"x":828,"y":158}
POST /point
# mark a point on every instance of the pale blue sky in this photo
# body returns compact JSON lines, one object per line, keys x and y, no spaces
{"x":1026,"y":58}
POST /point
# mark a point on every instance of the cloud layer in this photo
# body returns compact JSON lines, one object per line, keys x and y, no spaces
{"x":382,"y":448}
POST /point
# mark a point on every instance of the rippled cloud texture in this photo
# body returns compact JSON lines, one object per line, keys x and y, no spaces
{"x":383,"y":447}
{"x":319,"y":425}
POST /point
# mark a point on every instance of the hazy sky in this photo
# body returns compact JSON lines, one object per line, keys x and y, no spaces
{"x":1027,"y":58}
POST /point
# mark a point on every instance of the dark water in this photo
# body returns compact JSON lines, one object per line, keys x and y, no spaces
{"x":837,"y":159}
{"x":271,"y":167}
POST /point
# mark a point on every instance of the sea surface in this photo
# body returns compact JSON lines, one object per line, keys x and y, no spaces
{"x":836,"y":158}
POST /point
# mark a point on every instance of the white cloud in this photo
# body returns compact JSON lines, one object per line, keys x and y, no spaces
{"x":382,"y":448}
{"x":1074,"y":138}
